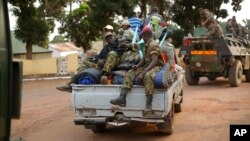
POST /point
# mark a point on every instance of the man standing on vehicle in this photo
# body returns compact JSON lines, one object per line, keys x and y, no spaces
{"x":214,"y":30}
{"x":206,"y":17}
{"x":145,"y":71}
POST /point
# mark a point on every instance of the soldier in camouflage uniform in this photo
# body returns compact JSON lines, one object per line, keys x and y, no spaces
{"x":214,"y":30}
{"x":230,"y":28}
{"x":145,"y":71}
{"x":126,"y":54}
{"x":206,"y":17}
{"x":128,"y":32}
{"x":101,"y":61}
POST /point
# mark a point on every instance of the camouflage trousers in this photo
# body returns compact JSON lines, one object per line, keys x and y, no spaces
{"x":148,"y":79}
{"x":112,"y":60}
{"x":84,"y":65}
{"x":87,"y":64}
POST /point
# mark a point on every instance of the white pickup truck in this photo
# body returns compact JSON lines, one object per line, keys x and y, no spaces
{"x":92,"y":107}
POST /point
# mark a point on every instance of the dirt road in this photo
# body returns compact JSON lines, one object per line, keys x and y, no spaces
{"x":208,"y":110}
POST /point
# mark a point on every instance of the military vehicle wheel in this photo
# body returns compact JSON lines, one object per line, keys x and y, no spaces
{"x":168,"y":126}
{"x":191,"y":80}
{"x":247,"y":75}
{"x":235,"y":74}
{"x":99,"y":128}
{"x":211,"y":78}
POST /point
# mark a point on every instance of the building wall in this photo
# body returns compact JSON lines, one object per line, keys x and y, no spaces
{"x":72,"y":63}
{"x":34,"y":56}
{"x":49,"y":66}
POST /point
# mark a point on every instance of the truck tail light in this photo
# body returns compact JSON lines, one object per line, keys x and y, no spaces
{"x":187,"y":42}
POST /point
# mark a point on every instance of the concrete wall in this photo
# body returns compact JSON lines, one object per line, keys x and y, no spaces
{"x":48,"y":66}
{"x":72,"y":63}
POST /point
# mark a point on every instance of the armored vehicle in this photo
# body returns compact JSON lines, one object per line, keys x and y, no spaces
{"x":226,"y":57}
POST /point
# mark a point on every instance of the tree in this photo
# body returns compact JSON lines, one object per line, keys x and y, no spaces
{"x":77,"y":26}
{"x":247,"y":26}
{"x":84,"y":24}
{"x":35,"y":22}
{"x":185,"y":13}
{"x":58,"y":39}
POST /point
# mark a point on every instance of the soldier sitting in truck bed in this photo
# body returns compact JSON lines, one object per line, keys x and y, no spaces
{"x":144,"y":71}
{"x":99,"y":61}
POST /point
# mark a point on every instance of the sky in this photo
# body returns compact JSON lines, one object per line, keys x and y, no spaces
{"x":240,"y":15}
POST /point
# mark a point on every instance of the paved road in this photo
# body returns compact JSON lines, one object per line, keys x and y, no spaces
{"x":208,"y":110}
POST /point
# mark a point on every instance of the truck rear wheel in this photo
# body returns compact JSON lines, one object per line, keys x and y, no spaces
{"x":168,"y":126}
{"x":191,"y":80}
{"x":247,"y":75}
{"x":235,"y":74}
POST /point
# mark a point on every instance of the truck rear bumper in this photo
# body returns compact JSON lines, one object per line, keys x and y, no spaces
{"x":101,"y":121}
{"x":86,"y":121}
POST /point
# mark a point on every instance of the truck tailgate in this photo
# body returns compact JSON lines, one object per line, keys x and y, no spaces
{"x":95,"y":98}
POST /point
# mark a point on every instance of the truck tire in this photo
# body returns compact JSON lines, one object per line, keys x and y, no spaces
{"x":98,"y":128}
{"x":178,"y":106}
{"x":235,"y":74}
{"x":247,"y":75}
{"x":190,"y":79}
{"x":167,"y":127}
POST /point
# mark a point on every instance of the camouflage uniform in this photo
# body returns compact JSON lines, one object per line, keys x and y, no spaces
{"x":230,"y":28}
{"x":215,"y":31}
{"x":206,"y":18}
{"x":151,"y":48}
{"x":114,"y":59}
{"x":128,"y":34}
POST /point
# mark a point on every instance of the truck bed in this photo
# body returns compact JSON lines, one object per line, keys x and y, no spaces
{"x":94,"y":100}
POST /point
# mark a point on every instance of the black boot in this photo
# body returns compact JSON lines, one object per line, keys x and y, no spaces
{"x":121,"y":100}
{"x":149,"y":103}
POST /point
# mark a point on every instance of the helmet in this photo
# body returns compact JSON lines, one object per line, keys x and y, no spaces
{"x":125,"y":22}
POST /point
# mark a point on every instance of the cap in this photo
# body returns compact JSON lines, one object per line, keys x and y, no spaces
{"x":125,"y":22}
{"x":108,"y":27}
{"x":108,"y":34}
{"x":146,"y":29}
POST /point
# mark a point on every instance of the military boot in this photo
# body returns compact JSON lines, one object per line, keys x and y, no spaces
{"x":121,"y":100}
{"x":149,"y":103}
{"x":66,"y":88}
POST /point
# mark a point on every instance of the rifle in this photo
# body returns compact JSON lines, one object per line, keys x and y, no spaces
{"x":139,"y":43}
{"x":163,"y":54}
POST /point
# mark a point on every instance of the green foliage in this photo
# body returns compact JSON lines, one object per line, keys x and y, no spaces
{"x":247,"y":26}
{"x":84,"y":24}
{"x":35,"y":22}
{"x":186,"y":14}
{"x":77,"y":26}
{"x":58,"y":39}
